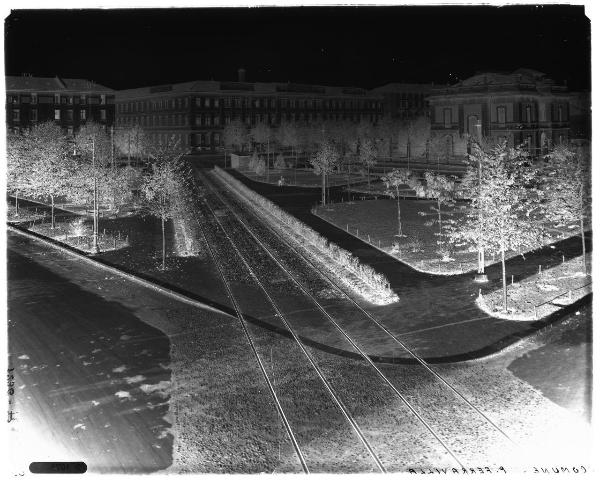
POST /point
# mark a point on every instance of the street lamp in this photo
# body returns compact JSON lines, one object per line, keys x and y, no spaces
{"x":95,"y":248}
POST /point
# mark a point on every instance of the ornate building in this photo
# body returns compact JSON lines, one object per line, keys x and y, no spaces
{"x":524,"y":106}
{"x":196,"y":112}
{"x":69,"y":102}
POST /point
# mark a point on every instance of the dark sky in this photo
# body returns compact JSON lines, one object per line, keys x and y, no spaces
{"x":361,"y":46}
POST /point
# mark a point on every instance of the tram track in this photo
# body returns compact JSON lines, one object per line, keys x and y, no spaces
{"x":352,"y":342}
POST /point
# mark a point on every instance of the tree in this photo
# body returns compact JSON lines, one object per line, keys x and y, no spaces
{"x":234,"y":134}
{"x":387,"y":130}
{"x":164,"y":189}
{"x":94,"y":148}
{"x":442,"y":189}
{"x":505,"y":213}
{"x":261,"y":134}
{"x":131,"y":141}
{"x":393,"y":180}
{"x":51,"y":170}
{"x":567,"y":189}
{"x":288,"y":136}
{"x":324,"y":162}
{"x":367,"y":154}
{"x":18,"y":165}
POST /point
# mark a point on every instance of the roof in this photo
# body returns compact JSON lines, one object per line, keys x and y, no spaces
{"x":53,"y":84}
{"x":522,"y":79}
{"x":404,"y":87}
{"x":232,"y":87}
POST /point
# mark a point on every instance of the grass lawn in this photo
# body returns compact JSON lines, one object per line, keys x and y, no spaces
{"x":376,"y":222}
{"x":542,"y":294}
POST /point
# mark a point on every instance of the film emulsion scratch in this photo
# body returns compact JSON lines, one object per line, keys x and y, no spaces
{"x":299,"y":240}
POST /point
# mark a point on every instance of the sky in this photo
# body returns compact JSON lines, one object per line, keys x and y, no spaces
{"x":350,"y":46}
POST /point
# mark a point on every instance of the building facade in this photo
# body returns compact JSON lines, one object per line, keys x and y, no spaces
{"x":68,"y":102}
{"x":523,"y":107}
{"x":197,"y":112}
{"x":405,"y":101}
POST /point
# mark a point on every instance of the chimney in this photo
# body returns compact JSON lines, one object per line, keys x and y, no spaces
{"x":241,"y":74}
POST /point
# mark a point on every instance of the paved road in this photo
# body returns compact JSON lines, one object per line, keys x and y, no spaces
{"x":89,"y":371}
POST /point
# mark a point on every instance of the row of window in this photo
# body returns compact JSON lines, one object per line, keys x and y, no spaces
{"x":208,"y":120}
{"x":501,"y":119}
{"x":58,"y":115}
{"x":58,"y":99}
{"x":245,"y":102}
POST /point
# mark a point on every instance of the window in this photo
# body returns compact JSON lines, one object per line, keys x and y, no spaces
{"x":501,"y":113}
{"x":207,"y":102}
{"x":217,"y":120}
{"x":70,"y":115}
{"x":16,"y":115}
{"x":102,"y":114}
{"x":227,"y":119}
{"x":102,"y":99}
{"x":34,"y":99}
{"x":82,"y":114}
{"x":560,"y":113}
{"x":69,"y":130}
{"x":216,"y":102}
{"x":82,"y":99}
{"x":227,"y":102}
{"x":70,"y":100}
{"x":56,"y":114}
{"x":56,"y":98}
{"x":33,"y":115}
{"x":528,"y":114}
{"x":447,"y":118}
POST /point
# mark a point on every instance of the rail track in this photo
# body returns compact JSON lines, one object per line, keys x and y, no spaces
{"x":235,"y":221}
{"x":349,"y":298}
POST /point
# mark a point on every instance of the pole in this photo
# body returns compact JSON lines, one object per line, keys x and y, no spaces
{"x":95,"y":249}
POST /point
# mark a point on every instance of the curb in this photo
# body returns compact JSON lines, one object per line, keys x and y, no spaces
{"x":101,"y":265}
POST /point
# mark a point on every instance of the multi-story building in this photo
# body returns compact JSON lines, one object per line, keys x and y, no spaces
{"x":196,"y":112}
{"x":405,"y":101}
{"x":524,"y":107}
{"x":69,"y":102}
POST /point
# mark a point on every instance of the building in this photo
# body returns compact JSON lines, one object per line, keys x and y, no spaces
{"x":524,"y":107}
{"x":69,"y":102}
{"x":196,"y":112}
{"x":405,"y":101}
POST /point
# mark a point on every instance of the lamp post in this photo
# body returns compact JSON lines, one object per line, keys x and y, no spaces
{"x":481,"y":275}
{"x":95,"y":248}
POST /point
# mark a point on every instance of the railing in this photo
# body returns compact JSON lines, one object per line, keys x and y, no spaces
{"x":549,"y":301}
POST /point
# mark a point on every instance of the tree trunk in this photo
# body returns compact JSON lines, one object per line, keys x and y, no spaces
{"x":369,"y":177}
{"x":399,"y":212}
{"x":164,"y":245}
{"x":323,"y":188}
{"x":52,"y":212}
{"x":582,"y":243}
{"x":440,"y":218}
{"x":16,"y":204}
{"x":504,"y":288}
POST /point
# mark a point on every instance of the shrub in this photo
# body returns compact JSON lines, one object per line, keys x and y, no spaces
{"x":260,"y":168}
{"x":341,"y":257}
